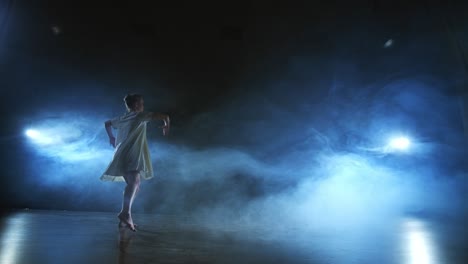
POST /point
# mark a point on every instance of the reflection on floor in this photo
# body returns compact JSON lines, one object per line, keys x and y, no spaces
{"x":79,"y":237}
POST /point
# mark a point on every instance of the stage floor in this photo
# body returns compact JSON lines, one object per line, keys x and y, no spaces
{"x":37,"y":237}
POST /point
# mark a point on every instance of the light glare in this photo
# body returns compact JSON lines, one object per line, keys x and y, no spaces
{"x":419,"y":244}
{"x":65,"y":140}
{"x":32,"y":133}
{"x":400,"y":143}
{"x":39,"y":137}
{"x":11,"y":240}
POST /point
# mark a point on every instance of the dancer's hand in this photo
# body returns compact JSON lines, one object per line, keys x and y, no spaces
{"x":166,"y":126}
{"x":112,"y":141}
{"x":165,"y":118}
{"x":165,"y":129}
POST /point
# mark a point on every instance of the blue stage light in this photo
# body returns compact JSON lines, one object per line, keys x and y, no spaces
{"x":399,"y":143}
{"x":39,"y":137}
{"x":32,"y":133}
{"x":68,"y":141}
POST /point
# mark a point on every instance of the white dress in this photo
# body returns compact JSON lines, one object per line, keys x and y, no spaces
{"x":131,"y":152}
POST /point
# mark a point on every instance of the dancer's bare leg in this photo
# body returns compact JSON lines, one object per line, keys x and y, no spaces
{"x":132,"y":179}
{"x":136,"y":192}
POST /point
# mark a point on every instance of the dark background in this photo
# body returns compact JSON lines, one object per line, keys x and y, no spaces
{"x":252,"y":88}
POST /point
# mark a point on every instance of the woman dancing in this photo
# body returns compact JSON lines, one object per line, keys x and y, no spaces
{"x":131,"y":160}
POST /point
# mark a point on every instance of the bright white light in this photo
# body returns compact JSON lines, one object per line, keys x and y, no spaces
{"x":418,"y":241}
{"x":388,"y":43}
{"x":39,"y":136}
{"x":12,"y":239}
{"x":32,"y":133}
{"x":400,"y":143}
{"x":69,"y":141}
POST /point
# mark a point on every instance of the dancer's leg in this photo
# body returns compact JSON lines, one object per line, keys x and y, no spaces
{"x":132,"y":179}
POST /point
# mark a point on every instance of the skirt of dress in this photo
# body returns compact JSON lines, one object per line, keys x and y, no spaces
{"x":130,"y":155}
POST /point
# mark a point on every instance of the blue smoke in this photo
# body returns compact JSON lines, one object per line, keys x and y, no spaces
{"x":67,"y":139}
{"x":301,"y":155}
{"x":334,"y":163}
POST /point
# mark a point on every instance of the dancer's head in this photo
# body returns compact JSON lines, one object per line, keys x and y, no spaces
{"x":134,"y":103}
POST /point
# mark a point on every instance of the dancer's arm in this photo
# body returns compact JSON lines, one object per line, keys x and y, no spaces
{"x":108,"y":126}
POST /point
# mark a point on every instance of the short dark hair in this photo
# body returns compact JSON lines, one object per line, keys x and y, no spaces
{"x":131,"y":99}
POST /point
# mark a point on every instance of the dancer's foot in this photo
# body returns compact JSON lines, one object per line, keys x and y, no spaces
{"x":126,"y":225}
{"x":126,"y":220}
